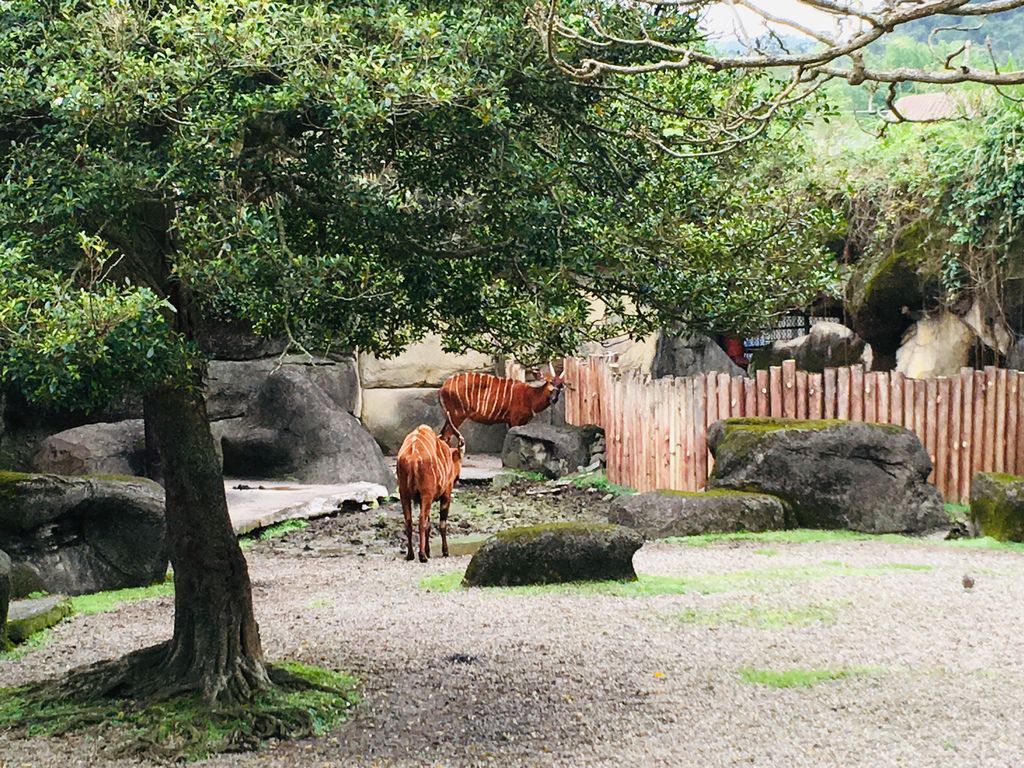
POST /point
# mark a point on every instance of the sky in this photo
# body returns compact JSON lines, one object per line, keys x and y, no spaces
{"x":721,"y":19}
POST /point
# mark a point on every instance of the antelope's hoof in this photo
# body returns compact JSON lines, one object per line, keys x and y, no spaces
{"x":423,"y":557}
{"x":410,"y":556}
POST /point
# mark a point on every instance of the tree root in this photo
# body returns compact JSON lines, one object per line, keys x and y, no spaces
{"x":156,"y":674}
{"x":139,"y":709}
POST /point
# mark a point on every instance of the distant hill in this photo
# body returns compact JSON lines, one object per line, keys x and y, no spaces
{"x":1006,"y":31}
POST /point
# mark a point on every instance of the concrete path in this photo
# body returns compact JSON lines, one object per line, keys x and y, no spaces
{"x":477,"y":467}
{"x":256,"y":504}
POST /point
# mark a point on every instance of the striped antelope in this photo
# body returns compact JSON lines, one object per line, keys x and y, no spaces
{"x":428,"y":467}
{"x":488,"y":399}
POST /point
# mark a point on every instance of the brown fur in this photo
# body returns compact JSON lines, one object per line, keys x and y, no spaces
{"x":428,"y":467}
{"x":488,"y":399}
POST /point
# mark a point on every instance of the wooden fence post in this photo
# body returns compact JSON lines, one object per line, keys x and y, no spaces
{"x":942,"y":436}
{"x":815,"y":400}
{"x":831,"y":392}
{"x":955,"y":439}
{"x":763,"y":394}
{"x":775,"y":391}
{"x":789,"y":389}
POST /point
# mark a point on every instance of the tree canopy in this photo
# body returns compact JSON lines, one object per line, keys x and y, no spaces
{"x":355,"y":175}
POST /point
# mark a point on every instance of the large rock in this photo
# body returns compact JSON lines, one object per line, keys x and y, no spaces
{"x":690,"y":354}
{"x":632,"y":354}
{"x":233,"y":385}
{"x":95,"y":449}
{"x":659,"y":514}
{"x":424,"y":364}
{"x":832,"y":474}
{"x":82,"y":534}
{"x":28,"y":617}
{"x":828,"y":345}
{"x":5,"y":595}
{"x":552,"y":451}
{"x":883,"y":292}
{"x":997,"y":505}
{"x":555,"y":553}
{"x":295,"y":430}
{"x":391,"y":414}
{"x":935,"y":346}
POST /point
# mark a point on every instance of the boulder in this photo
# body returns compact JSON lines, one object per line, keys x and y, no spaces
{"x":690,"y":354}
{"x":832,"y":474}
{"x":552,"y":451}
{"x":391,"y":414}
{"x":233,"y":385}
{"x":935,"y":346}
{"x":997,"y":506}
{"x":828,"y":345}
{"x":660,"y":514}
{"x":295,"y":430}
{"x":554,"y":553}
{"x":82,"y":534}
{"x":95,"y":449}
{"x":632,"y":354}
{"x":27,"y":617}
{"x":882,"y":293}
{"x":5,"y":596}
{"x":424,"y":364}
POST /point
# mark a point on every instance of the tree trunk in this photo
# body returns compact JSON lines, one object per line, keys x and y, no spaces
{"x":216,"y":644}
{"x":215,"y":649}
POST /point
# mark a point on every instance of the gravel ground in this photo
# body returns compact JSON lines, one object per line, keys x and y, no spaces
{"x":475,"y":678}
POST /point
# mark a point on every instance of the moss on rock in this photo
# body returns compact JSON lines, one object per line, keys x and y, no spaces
{"x":27,"y":617}
{"x":555,"y":553}
{"x":997,"y":505}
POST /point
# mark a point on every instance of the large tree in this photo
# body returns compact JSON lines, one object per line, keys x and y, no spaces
{"x":340,"y":175}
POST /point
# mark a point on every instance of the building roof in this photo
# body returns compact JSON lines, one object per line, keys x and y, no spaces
{"x":930,"y":107}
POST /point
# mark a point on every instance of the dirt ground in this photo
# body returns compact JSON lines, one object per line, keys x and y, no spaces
{"x":890,"y":659}
{"x":477,"y":509}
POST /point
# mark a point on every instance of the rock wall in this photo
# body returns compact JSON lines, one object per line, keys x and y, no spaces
{"x":828,"y":345}
{"x":935,"y":346}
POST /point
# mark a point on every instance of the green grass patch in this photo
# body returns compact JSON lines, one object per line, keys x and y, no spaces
{"x":275,"y":531}
{"x":985,"y":542}
{"x":102,"y":602}
{"x":705,"y":584}
{"x":599,"y":481}
{"x":798,"y":677}
{"x":308,"y":701}
{"x":794,"y":536}
{"x":33,"y":643}
{"x":526,"y":474}
{"x":957,"y":512}
{"x":813,"y":536}
{"x":767,"y":552}
{"x":761,"y":618}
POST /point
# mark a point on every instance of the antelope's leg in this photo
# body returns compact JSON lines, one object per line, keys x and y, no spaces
{"x":407,"y":514}
{"x":424,"y":528}
{"x":446,"y":502}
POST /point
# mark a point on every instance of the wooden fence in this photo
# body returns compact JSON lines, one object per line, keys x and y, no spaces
{"x":655,"y":430}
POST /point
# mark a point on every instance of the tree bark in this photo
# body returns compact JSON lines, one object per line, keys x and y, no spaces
{"x":215,"y":649}
{"x":216,"y":644}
